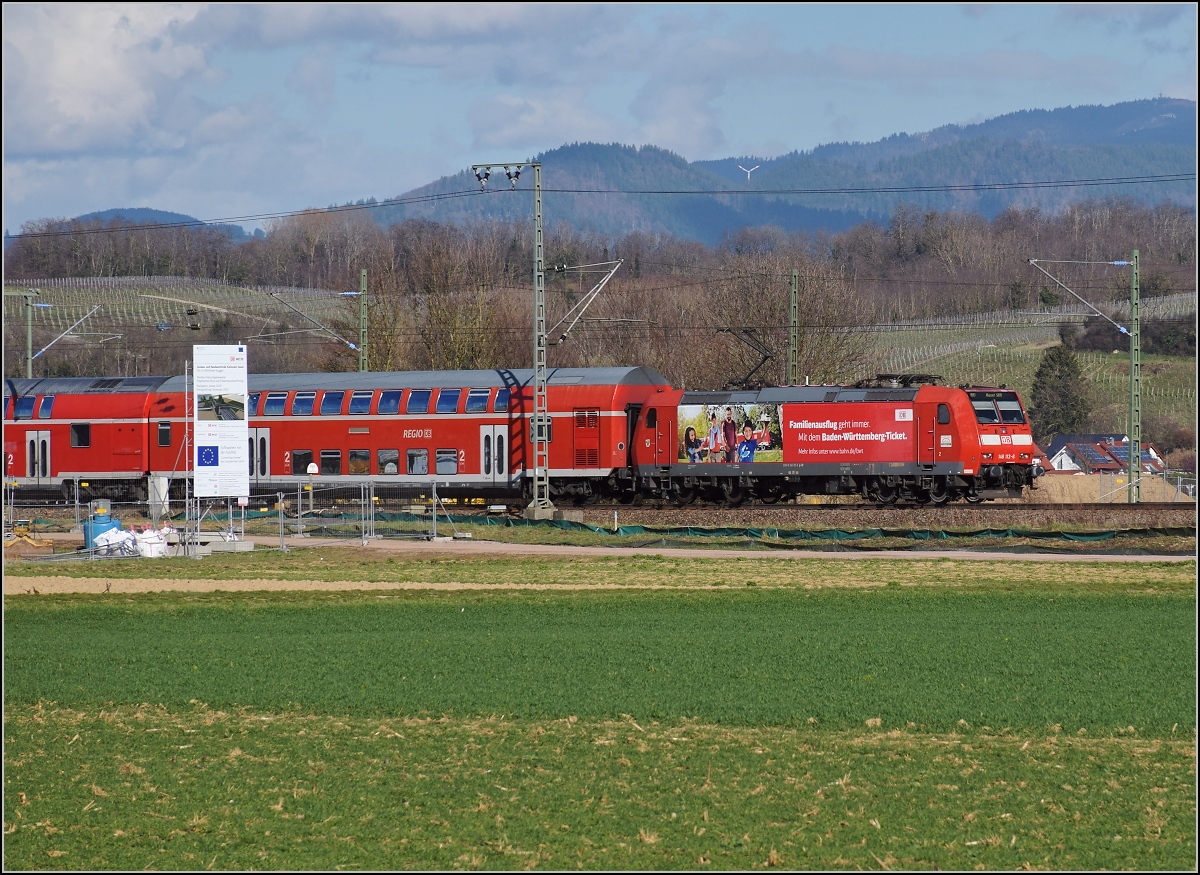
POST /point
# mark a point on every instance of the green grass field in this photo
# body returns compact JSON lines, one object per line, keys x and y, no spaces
{"x":846,"y":714}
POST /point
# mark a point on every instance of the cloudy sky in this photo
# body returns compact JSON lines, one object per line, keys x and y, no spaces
{"x":233,"y":110}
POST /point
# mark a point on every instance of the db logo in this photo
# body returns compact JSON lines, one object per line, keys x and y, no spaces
{"x":647,"y":442}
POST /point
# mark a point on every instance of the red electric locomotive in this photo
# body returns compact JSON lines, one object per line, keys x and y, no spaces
{"x":615,"y":433}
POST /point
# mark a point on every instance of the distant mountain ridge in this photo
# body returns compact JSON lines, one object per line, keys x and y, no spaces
{"x":704,"y":200}
{"x":146,"y":215}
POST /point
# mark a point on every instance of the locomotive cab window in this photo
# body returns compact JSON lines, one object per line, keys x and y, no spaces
{"x":448,"y":400}
{"x":985,"y":412}
{"x":24,"y":409}
{"x":389,"y":461}
{"x":46,"y":407}
{"x":943,"y":414}
{"x":331,"y":404}
{"x":418,"y":401}
{"x":81,"y":434}
{"x":501,"y":405}
{"x":274,"y":404}
{"x":652,"y":417}
{"x":302,"y":404}
{"x":477,"y":400}
{"x":360,"y":402}
{"x":301,"y":459}
{"x":164,"y":434}
{"x":1010,"y":411}
{"x":389,"y":402}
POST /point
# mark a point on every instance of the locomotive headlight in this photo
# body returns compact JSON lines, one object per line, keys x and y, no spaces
{"x":987,"y":455}
{"x":1024,"y":455}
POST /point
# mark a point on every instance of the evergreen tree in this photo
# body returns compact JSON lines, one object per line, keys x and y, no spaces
{"x":1060,"y":403}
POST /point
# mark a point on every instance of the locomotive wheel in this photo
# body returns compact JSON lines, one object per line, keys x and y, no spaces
{"x":626,"y":497}
{"x":683,"y":495}
{"x":885,"y":494}
{"x":972,"y":498}
{"x":940,"y":493}
{"x":734,"y":494}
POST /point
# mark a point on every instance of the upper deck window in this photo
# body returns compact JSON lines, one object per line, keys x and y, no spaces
{"x":477,"y":400}
{"x":24,"y":409}
{"x":273,"y":406}
{"x":360,"y":402}
{"x":501,"y":405}
{"x":389,"y":402}
{"x":448,"y":400}
{"x":418,"y":401}
{"x":302,"y":403}
{"x":45,"y":407}
{"x":252,"y":404}
{"x":331,"y":403}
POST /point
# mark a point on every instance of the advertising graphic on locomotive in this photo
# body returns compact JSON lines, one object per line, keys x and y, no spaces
{"x":615,"y":433}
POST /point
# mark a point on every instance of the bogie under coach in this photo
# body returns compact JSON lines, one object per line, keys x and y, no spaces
{"x":615,"y":434}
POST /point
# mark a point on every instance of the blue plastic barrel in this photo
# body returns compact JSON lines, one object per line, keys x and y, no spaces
{"x":98,"y":525}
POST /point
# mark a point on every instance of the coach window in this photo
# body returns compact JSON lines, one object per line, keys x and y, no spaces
{"x":477,"y":400}
{"x":81,"y":434}
{"x":389,"y":402}
{"x":448,"y":400}
{"x":302,"y":404}
{"x":360,"y":402}
{"x":274,"y":404}
{"x":501,"y":405}
{"x":447,"y":461}
{"x":360,"y":462}
{"x":252,"y":404}
{"x":943,"y":414}
{"x":331,"y":403}
{"x":389,"y":461}
{"x":164,"y":434}
{"x":25,"y":407}
{"x":418,"y":401}
{"x":301,"y":459}
{"x":331,"y":462}
{"x":418,"y":462}
{"x":45,"y":407}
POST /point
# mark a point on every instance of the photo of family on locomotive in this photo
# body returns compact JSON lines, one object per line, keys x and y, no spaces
{"x":735,"y":433}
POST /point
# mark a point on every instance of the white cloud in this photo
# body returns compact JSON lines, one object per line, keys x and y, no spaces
{"x":81,"y":76}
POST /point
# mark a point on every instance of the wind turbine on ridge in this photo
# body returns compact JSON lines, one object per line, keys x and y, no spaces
{"x":748,"y":172}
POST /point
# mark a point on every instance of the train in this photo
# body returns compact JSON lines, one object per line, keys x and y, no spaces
{"x":619,"y":434}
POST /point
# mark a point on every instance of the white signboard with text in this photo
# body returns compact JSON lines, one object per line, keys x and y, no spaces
{"x":221,"y":460}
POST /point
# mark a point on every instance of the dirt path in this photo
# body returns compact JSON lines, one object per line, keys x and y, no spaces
{"x":51,"y":583}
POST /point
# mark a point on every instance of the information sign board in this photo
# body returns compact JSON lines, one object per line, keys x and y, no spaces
{"x":221,"y":461}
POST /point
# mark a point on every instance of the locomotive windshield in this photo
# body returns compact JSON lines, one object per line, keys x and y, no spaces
{"x":996,"y":408}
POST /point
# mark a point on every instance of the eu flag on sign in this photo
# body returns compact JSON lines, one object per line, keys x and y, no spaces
{"x":208,"y":457}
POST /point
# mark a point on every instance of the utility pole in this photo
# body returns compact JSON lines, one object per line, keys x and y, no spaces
{"x":540,"y":507}
{"x":793,"y":374}
{"x":1135,"y":383}
{"x":362,"y":320}
{"x":1135,"y":360}
{"x":28,"y":295}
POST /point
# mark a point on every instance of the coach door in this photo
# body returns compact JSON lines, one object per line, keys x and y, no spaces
{"x":493,"y":453}
{"x":37,"y":458}
{"x":260,"y":455}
